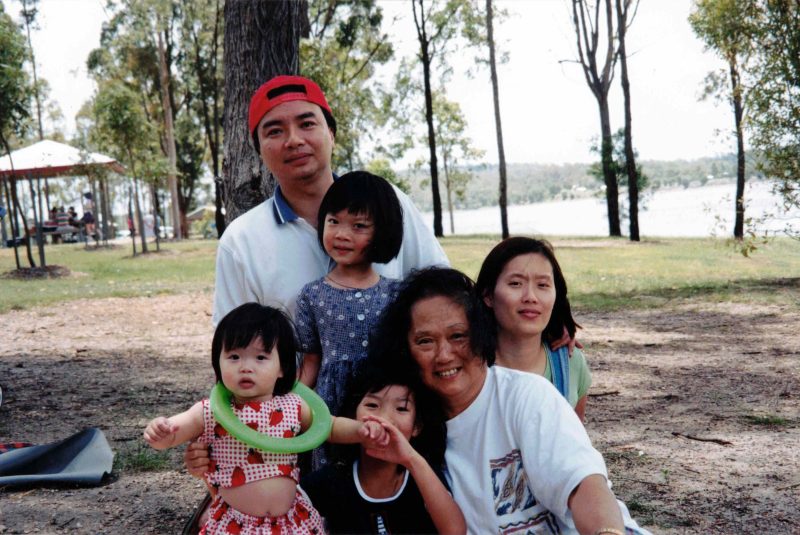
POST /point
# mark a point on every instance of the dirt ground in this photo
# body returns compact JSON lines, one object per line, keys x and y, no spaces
{"x":695,"y":408}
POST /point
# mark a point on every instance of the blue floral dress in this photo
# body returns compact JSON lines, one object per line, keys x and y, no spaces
{"x":335,"y":323}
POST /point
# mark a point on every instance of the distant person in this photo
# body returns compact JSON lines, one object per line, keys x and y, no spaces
{"x":253,"y":355}
{"x":360,"y":221}
{"x":269,"y":253}
{"x":88,"y":216}
{"x":525,"y":293}
{"x":72,"y":216}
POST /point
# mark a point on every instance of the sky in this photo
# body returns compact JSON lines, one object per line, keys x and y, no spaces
{"x":548,"y":112}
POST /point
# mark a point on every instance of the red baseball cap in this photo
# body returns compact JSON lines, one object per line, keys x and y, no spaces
{"x":284,"y":89}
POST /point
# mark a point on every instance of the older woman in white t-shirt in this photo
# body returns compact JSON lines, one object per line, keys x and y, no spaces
{"x":518,"y":458}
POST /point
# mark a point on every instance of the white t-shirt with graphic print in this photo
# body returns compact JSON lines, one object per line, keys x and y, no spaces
{"x":515,"y":455}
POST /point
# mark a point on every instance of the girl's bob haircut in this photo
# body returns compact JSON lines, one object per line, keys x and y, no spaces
{"x":249,"y":321}
{"x":502,"y":254}
{"x":361,"y":192}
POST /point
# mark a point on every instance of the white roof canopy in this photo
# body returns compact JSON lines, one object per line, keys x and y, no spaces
{"x":49,"y":158}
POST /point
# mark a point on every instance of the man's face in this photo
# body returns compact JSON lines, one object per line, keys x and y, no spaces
{"x":295,"y":142}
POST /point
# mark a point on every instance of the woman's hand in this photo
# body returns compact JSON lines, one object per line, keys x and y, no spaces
{"x":196,"y":459}
{"x":397,"y":449}
{"x":566,"y":340}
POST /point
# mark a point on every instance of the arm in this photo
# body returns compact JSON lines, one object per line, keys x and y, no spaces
{"x":162,"y":433}
{"x":580,"y":408}
{"x":445,"y":513}
{"x":594,"y":507}
{"x":230,"y":287}
{"x":348,"y":431}
{"x":309,"y":371}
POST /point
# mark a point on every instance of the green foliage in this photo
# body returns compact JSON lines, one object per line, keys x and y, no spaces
{"x":344,"y":47}
{"x":619,"y":163}
{"x":382,"y":167}
{"x":775,"y":98}
{"x":15,"y":86}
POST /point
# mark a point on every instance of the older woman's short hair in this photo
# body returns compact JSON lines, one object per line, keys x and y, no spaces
{"x":507,"y":250}
{"x":389,"y":342}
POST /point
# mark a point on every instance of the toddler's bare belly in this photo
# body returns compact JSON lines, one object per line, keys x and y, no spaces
{"x":266,"y":497}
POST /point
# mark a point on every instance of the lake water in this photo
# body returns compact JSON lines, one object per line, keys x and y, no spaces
{"x":693,"y":212}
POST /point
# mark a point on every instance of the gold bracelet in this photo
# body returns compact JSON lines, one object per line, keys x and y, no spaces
{"x":608,"y":531}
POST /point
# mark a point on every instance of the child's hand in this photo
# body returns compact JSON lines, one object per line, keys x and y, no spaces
{"x":158,"y":430}
{"x":397,"y":450}
{"x":373,"y":435}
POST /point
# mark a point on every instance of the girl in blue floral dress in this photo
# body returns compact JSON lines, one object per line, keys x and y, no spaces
{"x":360,"y":221}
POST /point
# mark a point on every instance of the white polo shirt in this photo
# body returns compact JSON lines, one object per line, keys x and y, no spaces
{"x":269,"y":253}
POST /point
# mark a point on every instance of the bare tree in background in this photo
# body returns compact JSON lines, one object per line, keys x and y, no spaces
{"x":587,"y":19}
{"x":262,"y":40}
{"x":624,"y":19}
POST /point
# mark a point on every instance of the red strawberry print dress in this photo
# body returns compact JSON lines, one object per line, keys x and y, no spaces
{"x":233,"y":463}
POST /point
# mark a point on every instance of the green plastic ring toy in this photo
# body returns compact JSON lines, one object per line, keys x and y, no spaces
{"x":315,"y":435}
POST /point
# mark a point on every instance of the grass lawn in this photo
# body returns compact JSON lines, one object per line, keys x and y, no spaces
{"x":603,"y":273}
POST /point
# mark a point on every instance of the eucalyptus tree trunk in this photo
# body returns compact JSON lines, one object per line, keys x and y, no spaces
{"x":501,"y":153}
{"x":169,"y":134}
{"x":425,"y":59}
{"x":586,"y":20}
{"x":12,"y":220}
{"x":738,"y":114}
{"x":262,"y":40}
{"x":630,"y":157}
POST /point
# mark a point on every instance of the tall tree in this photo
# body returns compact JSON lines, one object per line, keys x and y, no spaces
{"x":124,"y":129}
{"x":262,"y":40}
{"x":587,"y":21}
{"x":14,"y":110}
{"x":624,"y":19}
{"x":202,"y":35}
{"x":29,"y":13}
{"x":456,"y":149}
{"x":178,"y":220}
{"x":728,"y":28}
{"x":501,"y":153}
{"x":437,"y":23}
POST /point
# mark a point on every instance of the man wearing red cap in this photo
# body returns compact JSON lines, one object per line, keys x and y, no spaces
{"x":269,"y":253}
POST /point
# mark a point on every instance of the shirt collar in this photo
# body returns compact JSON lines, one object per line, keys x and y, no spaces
{"x":280,"y":208}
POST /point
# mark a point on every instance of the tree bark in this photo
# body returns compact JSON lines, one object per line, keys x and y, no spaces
{"x":261,"y":41}
{"x":501,"y":154}
{"x":587,"y":33}
{"x":738,"y":114}
{"x":169,"y":134}
{"x":12,"y":220}
{"x":425,"y":59}
{"x":630,"y":163}
{"x":610,"y":176}
{"x":209,"y":89}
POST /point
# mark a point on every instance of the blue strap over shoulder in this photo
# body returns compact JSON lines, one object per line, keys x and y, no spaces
{"x":559,"y":369}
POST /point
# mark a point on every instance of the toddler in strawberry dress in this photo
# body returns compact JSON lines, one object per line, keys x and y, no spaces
{"x":255,"y":492}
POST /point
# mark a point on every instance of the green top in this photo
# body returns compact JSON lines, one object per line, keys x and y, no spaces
{"x":580,"y":378}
